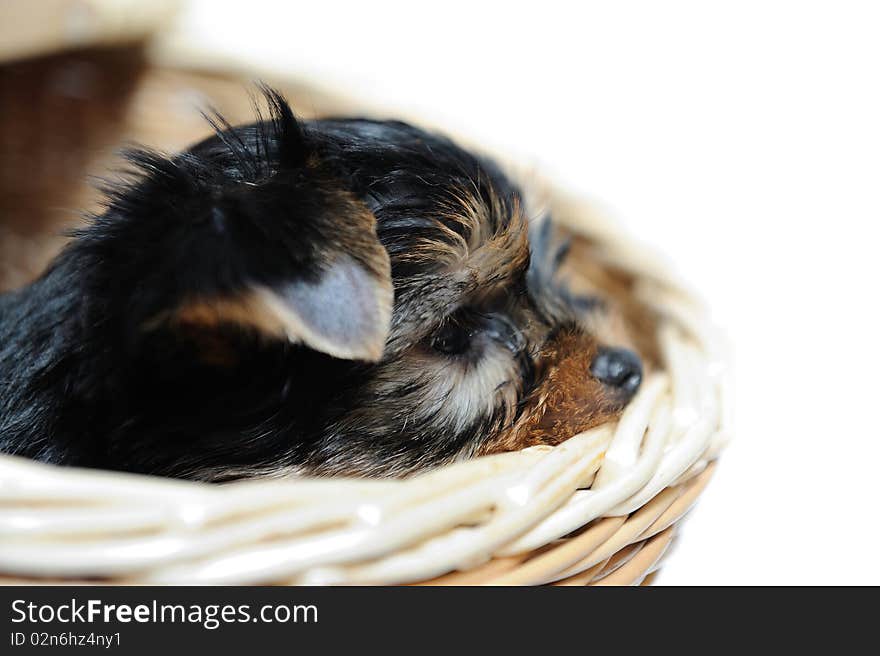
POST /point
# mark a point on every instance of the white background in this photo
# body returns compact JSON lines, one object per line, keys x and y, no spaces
{"x":741,"y":139}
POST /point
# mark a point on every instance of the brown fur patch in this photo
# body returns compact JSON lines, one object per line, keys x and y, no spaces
{"x":494,"y":252}
{"x":247,"y":310}
{"x":568,"y":400}
{"x":486,"y":242}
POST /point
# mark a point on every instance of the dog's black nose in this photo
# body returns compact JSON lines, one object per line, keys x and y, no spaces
{"x":619,"y":368}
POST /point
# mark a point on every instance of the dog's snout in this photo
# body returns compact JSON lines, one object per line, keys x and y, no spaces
{"x":618,"y":368}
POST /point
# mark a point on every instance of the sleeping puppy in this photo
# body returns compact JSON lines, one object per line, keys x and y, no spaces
{"x":325,"y":297}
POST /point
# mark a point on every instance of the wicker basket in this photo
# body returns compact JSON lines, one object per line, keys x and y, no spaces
{"x":602,"y":508}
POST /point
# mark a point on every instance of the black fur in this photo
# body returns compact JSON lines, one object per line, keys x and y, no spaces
{"x":91,"y":374}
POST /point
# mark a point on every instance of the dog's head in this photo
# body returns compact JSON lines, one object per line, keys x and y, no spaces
{"x":258,"y":268}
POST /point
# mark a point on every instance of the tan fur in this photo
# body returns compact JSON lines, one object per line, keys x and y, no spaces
{"x":568,"y":400}
{"x":248,"y":310}
{"x":483,"y":258}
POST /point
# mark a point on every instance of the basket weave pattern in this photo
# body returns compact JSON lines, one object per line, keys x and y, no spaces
{"x":601,"y":507}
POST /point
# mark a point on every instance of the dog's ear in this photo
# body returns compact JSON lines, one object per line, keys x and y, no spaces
{"x":344,"y":311}
{"x":251,"y":229}
{"x":299,"y":262}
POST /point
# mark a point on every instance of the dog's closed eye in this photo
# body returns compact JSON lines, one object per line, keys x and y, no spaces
{"x":469,"y":331}
{"x":453,"y":338}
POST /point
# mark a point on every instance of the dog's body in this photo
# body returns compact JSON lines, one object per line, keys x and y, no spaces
{"x":335,"y":296}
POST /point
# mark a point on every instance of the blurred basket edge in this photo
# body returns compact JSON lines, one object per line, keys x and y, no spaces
{"x":602,"y":508}
{"x":30,"y":28}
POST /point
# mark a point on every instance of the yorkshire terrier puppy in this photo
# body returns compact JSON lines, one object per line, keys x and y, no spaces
{"x":323,"y":297}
